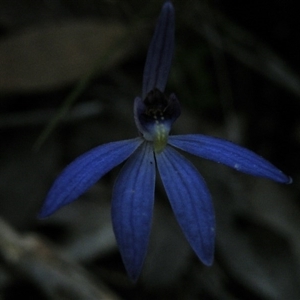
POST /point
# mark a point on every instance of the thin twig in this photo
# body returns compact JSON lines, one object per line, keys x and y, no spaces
{"x":59,"y":277}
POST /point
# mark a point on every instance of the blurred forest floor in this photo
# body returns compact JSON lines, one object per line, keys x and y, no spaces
{"x":69,"y":72}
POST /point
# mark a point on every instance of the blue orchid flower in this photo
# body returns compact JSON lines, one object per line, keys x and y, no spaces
{"x":133,"y":192}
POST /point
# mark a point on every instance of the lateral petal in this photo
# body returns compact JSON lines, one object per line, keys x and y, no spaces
{"x":190,"y":200}
{"x":85,"y":171}
{"x":229,"y":154}
{"x":132,"y":208}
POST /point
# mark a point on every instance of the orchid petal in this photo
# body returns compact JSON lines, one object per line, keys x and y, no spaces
{"x":82,"y":173}
{"x":132,"y":208}
{"x":160,"y":52}
{"x":229,"y":154}
{"x":190,"y":200}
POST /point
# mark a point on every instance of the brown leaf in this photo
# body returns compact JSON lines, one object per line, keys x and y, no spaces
{"x":58,"y":54}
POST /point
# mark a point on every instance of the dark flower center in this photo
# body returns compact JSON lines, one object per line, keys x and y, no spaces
{"x":155,"y":115}
{"x":158,"y":107}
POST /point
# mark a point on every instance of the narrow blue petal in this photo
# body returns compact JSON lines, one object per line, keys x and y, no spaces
{"x":82,"y":173}
{"x":229,"y":154}
{"x":190,"y":200}
{"x":160,"y":52}
{"x":132,"y":207}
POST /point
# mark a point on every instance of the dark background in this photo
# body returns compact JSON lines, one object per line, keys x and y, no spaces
{"x":69,"y":71}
